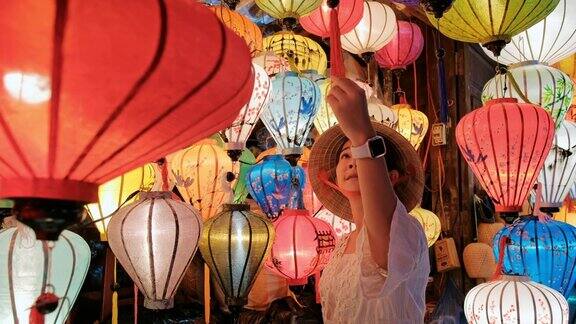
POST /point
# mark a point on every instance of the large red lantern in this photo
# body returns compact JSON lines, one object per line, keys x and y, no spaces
{"x":318,"y":21}
{"x":403,"y":49}
{"x":505,"y":144}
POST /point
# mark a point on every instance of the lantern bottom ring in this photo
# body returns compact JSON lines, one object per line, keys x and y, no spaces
{"x":159,"y":303}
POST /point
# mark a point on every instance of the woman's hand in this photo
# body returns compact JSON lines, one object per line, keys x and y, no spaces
{"x":348,"y":101}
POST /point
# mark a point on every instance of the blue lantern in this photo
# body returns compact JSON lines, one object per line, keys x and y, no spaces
{"x":290,"y":115}
{"x":544,"y":251}
{"x":275,"y":184}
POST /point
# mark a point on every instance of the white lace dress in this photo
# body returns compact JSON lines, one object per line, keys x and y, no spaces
{"x":354,"y":289}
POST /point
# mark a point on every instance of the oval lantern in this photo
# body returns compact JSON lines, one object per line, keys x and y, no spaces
{"x":411,"y":123}
{"x":247,"y":160}
{"x":403,"y":49}
{"x":318,"y":21}
{"x":515,"y":300}
{"x":301,"y":53}
{"x":547,"y":42}
{"x":544,"y":251}
{"x":235,"y":244}
{"x":27,"y":269}
{"x":382,"y":113}
{"x":430,"y":222}
{"x":479,"y":261}
{"x":293,"y":106}
{"x":303,"y":246}
{"x":489,"y":22}
{"x":154,"y":239}
{"x":340,"y":226}
{"x":288,"y":9}
{"x":242,"y":26}
{"x":502,"y":166}
{"x":376,"y":29}
{"x":539,"y":84}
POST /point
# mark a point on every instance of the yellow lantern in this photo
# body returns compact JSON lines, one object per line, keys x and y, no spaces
{"x":411,"y":123}
{"x":242,"y":26}
{"x":567,"y":213}
{"x":491,"y":22}
{"x":288,"y":8}
{"x":568,"y":66}
{"x":302,"y":53}
{"x":114,"y":193}
{"x":430,"y":222}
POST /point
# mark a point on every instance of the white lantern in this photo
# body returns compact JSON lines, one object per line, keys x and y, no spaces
{"x":341,"y":226}
{"x":515,"y":299}
{"x":548,"y":42}
{"x":381,"y":113}
{"x":29,"y":267}
{"x":155,"y":239}
{"x":376,"y":29}
{"x":542,"y":85}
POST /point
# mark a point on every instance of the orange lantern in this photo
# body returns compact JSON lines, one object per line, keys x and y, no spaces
{"x":242,"y":26}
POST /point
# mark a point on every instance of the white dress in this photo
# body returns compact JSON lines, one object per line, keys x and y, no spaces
{"x":353,"y":289}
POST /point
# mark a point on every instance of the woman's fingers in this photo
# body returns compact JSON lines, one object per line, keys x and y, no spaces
{"x":337,"y":92}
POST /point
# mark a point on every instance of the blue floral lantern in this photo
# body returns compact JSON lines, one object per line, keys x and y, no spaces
{"x":544,"y":251}
{"x":275,"y":184}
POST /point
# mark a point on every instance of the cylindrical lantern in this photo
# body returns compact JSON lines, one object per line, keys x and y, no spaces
{"x":382,"y":113}
{"x":301,"y":53}
{"x":288,"y":9}
{"x":293,"y":106}
{"x":559,"y":172}
{"x":154,"y":240}
{"x":247,"y":160}
{"x":311,"y":202}
{"x":242,"y":26}
{"x":479,"y":261}
{"x":235,"y":244}
{"x":29,"y":267}
{"x":505,"y":144}
{"x":490,"y":22}
{"x":412,"y":123}
{"x":541,"y":85}
{"x":430,"y":222}
{"x":318,"y":21}
{"x":487,"y":231}
{"x":340,"y":226}
{"x":515,"y":300}
{"x":544,"y":251}
{"x":274,"y":184}
{"x":403,"y":49}
{"x":272,"y":63}
{"x":303,"y":246}
{"x":548,"y":42}
{"x":376,"y":29}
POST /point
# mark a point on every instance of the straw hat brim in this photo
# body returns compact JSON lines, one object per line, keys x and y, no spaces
{"x":325,"y":155}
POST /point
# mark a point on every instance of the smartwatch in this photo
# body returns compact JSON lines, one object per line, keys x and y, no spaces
{"x":373,"y":148}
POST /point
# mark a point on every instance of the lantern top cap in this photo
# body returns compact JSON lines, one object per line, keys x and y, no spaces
{"x":500,"y":101}
{"x":235,"y":207}
{"x":273,"y":157}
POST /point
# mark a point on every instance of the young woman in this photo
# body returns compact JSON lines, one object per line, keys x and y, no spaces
{"x":368,"y":173}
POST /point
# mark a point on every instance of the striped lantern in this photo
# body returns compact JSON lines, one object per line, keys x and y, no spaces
{"x":411,"y":123}
{"x":242,"y":26}
{"x":382,"y":113}
{"x":515,"y":300}
{"x":430,"y":222}
{"x":301,"y":53}
{"x":403,"y":49}
{"x":340,"y":226}
{"x":272,"y":63}
{"x":288,"y":9}
{"x":318,"y":21}
{"x":154,"y":239}
{"x":325,"y":117}
{"x":539,"y":84}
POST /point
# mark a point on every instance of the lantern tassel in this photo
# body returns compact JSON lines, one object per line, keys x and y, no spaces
{"x":35,"y":316}
{"x":504,"y":240}
{"x":46,"y":303}
{"x":440,"y":52}
{"x":336,"y":59}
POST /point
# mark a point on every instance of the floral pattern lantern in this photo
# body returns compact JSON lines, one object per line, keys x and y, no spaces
{"x":340,"y":226}
{"x":272,"y":63}
{"x":411,"y":123}
{"x":301,"y":53}
{"x":494,"y":141}
{"x":403,"y":49}
{"x":430,"y":222}
{"x":318,"y":21}
{"x":382,"y":113}
{"x":288,"y":9}
{"x":544,"y":251}
{"x":539,"y":84}
{"x":242,"y":26}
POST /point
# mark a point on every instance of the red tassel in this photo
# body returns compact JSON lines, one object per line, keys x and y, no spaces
{"x":46,"y":303}
{"x":336,"y":59}
{"x":498,"y":272}
{"x":35,"y":316}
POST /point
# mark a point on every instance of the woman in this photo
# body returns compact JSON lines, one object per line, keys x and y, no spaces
{"x":378,"y":273}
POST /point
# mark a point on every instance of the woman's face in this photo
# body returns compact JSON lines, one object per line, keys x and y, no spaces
{"x":346,"y":175}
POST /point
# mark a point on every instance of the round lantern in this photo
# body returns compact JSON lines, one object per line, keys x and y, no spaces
{"x":288,"y":9}
{"x":340,"y":226}
{"x":318,"y":21}
{"x":30,"y":267}
{"x":403,"y":49}
{"x":430,"y":222}
{"x":242,"y":26}
{"x":247,"y":160}
{"x":311,"y":202}
{"x":487,"y":231}
{"x":202,"y":175}
{"x":559,"y":172}
{"x":154,"y":240}
{"x":303,"y":246}
{"x":412,"y":124}
{"x":515,"y":300}
{"x":382,"y":113}
{"x":505,"y":144}
{"x":479,"y":261}
{"x":544,"y":251}
{"x":376,"y":29}
{"x":301,"y":53}
{"x":541,"y":85}
{"x":116,"y":192}
{"x":274,"y":184}
{"x":489,"y":22}
{"x":548,"y":42}
{"x":235,"y":244}
{"x":293,"y":106}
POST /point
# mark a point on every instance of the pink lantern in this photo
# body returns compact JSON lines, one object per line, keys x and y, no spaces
{"x":403,"y":49}
{"x":303,"y":246}
{"x":318,"y":21}
{"x":311,"y":202}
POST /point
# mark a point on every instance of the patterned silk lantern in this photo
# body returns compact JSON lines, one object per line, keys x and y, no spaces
{"x":242,"y":26}
{"x":403,"y":49}
{"x":274,"y":184}
{"x":539,"y":84}
{"x":505,"y":144}
{"x":412,"y":124}
{"x":382,"y":113}
{"x":272,"y":63}
{"x":247,"y":160}
{"x":303,"y":246}
{"x":318,"y":21}
{"x":29,"y":267}
{"x":376,"y":29}
{"x":340,"y":226}
{"x":235,"y":244}
{"x":301,"y":53}
{"x":293,"y":106}
{"x":515,"y":300}
{"x":490,"y":22}
{"x":544,"y":251}
{"x":430,"y":222}
{"x":288,"y":9}
{"x":548,"y":42}
{"x":114,"y":193}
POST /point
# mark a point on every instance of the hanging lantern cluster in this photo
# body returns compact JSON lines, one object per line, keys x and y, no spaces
{"x":411,"y":123}
{"x":242,"y":26}
{"x":403,"y":49}
{"x":430,"y":222}
{"x":301,"y":53}
{"x":318,"y":21}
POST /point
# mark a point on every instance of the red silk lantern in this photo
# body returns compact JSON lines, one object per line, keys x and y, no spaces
{"x":318,"y":21}
{"x":403,"y":49}
{"x":505,"y":144}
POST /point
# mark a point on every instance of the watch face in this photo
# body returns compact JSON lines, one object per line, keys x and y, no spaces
{"x":377,"y":147}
